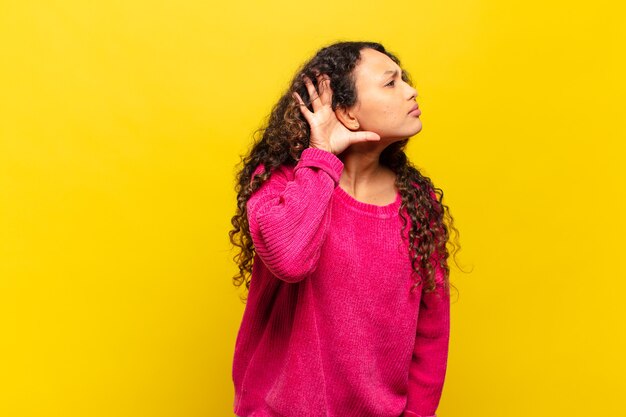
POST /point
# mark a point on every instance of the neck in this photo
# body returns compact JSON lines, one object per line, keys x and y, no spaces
{"x":362,"y":167}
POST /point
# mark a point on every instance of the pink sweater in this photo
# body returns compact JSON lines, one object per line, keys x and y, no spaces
{"x":330,"y":328}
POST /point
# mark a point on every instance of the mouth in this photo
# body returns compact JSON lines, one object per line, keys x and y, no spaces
{"x":415,"y":109}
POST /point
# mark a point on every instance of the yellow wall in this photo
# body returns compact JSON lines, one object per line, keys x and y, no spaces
{"x":121,"y":123}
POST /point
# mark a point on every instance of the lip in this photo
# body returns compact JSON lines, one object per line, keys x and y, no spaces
{"x":414,"y":108}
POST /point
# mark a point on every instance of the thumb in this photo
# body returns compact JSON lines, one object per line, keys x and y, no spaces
{"x":364,"y":136}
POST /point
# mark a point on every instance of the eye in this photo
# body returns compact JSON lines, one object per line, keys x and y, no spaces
{"x":390,"y":83}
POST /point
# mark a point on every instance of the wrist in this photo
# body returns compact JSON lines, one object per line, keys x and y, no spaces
{"x":323,"y":148}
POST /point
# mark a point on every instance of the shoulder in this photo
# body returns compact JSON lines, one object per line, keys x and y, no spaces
{"x":283,"y":171}
{"x":272,"y":186}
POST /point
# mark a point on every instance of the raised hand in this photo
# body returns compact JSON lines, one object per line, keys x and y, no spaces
{"x":327,"y":132}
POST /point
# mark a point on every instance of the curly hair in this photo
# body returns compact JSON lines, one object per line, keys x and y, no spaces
{"x":287,"y":134}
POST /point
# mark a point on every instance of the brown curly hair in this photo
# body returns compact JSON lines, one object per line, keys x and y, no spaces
{"x":287,"y":134}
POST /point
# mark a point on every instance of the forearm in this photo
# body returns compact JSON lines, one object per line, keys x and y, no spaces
{"x":430,"y":355}
{"x":289,"y":218}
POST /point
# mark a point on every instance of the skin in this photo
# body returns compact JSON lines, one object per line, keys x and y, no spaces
{"x":358,"y":135}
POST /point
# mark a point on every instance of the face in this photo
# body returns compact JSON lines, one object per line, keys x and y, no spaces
{"x":384,"y":99}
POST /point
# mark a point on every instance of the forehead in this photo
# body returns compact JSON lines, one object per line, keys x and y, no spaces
{"x":372,"y":66}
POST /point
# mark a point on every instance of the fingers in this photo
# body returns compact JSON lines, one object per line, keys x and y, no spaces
{"x":322,"y":97}
{"x":326,"y":93}
{"x":315,"y":102}
{"x":318,"y":100}
{"x":303,"y":108}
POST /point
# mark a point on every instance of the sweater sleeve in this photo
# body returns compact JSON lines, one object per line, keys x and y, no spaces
{"x":289,"y":217}
{"x":430,"y":355}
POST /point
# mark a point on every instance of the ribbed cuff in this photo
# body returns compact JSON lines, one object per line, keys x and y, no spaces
{"x":412,"y":414}
{"x":319,"y":158}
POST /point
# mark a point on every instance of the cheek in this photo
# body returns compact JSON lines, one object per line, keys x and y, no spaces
{"x":389,"y":117}
{"x":389,"y":113}
{"x":383,"y":120}
{"x":380,"y":115}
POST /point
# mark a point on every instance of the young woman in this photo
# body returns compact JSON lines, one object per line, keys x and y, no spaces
{"x":343,"y":250}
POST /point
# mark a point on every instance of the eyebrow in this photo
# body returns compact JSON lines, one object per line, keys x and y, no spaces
{"x":394,"y":72}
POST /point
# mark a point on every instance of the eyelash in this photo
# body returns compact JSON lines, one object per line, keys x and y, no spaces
{"x":391,"y":82}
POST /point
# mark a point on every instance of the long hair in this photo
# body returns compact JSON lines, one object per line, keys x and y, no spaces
{"x":287,"y":134}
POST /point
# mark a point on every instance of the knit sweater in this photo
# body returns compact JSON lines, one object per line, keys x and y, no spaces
{"x":330,"y":327}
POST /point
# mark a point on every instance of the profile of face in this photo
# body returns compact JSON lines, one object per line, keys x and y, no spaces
{"x":384,"y":99}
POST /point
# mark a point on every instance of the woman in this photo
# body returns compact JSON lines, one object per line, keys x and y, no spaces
{"x":343,"y":250}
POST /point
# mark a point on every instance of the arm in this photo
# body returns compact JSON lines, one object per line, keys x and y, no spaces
{"x":430,"y":355}
{"x":289,"y":218}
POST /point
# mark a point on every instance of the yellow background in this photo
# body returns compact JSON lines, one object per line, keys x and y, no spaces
{"x":121,"y":125}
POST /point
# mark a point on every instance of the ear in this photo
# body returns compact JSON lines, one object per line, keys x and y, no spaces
{"x":346,"y":118}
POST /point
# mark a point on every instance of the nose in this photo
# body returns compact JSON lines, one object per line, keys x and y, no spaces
{"x":412,"y":93}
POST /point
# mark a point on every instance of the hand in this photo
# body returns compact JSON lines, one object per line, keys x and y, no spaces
{"x":327,"y":132}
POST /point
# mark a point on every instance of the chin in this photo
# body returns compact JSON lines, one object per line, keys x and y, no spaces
{"x":418,"y":128}
{"x":415,"y":132}
{"x":396,"y":136}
